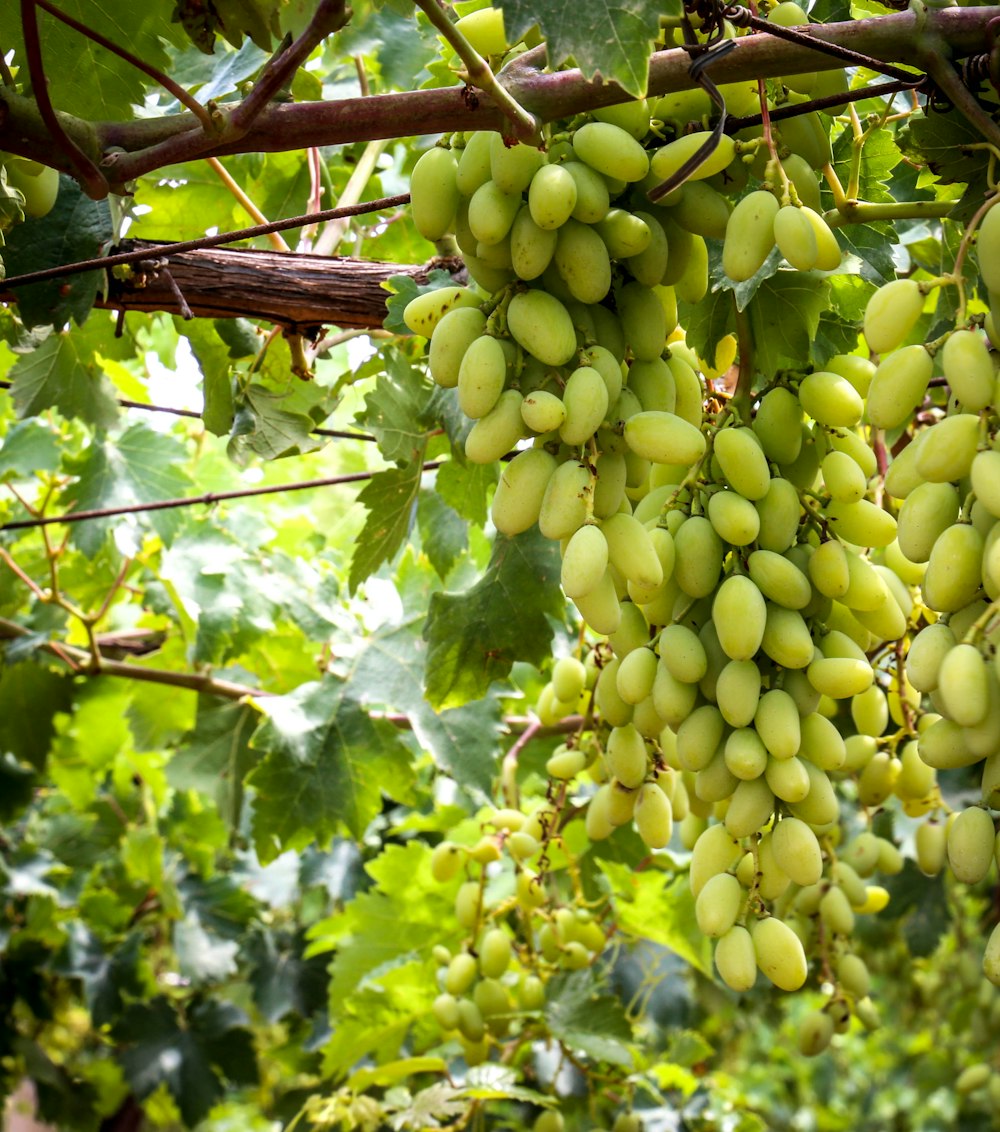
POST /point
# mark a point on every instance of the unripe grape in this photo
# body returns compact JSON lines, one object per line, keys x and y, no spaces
{"x":549,"y":1121}
{"x":970,"y":845}
{"x":683,"y":653}
{"x":777,"y":425}
{"x":610,"y":150}
{"x":862,"y":523}
{"x":700,"y":209}
{"x":737,"y":692}
{"x":828,"y":254}
{"x":643,"y":320}
{"x":434,"y":194}
{"x":985,"y":472}
{"x":968,"y":369}
{"x":585,"y":561}
{"x":667,"y":160}
{"x":551,"y":196}
{"x":699,"y":736}
{"x":988,"y":250}
{"x":898,"y":386}
{"x":844,"y":480}
{"x":780,"y":512}
{"x":991,"y":957}
{"x":819,"y":807}
{"x":749,"y":235}
{"x":481,"y":376}
{"x":494,"y":953}
{"x":870,"y":711}
{"x":718,"y":905}
{"x":664,"y":438}
{"x":37,"y":183}
{"x":542,"y":326}
{"x":963,"y":685}
{"x":600,"y":608}
{"x":750,"y":807}
{"x":932,"y":846}
{"x":461,"y":974}
{"x":714,"y":852}
{"x":632,"y":117}
{"x":452,"y":337}
{"x":777,"y":722}
{"x":795,"y":237}
{"x":740,"y":615}
{"x":699,"y":553}
{"x":927,"y":512}
{"x":779,"y":952}
{"x":891,"y":313}
{"x":788,"y":778}
{"x":423,"y":313}
{"x":797,"y":851}
{"x":445,"y":1008}
{"x":734,"y":518}
{"x":631,"y":550}
{"x":779,"y":579}
{"x":531,"y":247}
{"x":815,"y":1033}
{"x":954,"y":569}
{"x":484,"y":30}
{"x":496,"y":434}
{"x":653,"y":816}
{"x":650,"y":263}
{"x":636,"y":675}
{"x":743,"y":462}
{"x":564,"y":505}
{"x":582,"y":261}
{"x":786,"y":637}
{"x":949,"y":448}
{"x":736,"y":960}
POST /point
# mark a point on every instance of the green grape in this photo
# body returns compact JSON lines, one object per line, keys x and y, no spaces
{"x":744,"y":753}
{"x":715,"y":782}
{"x":481,"y":376}
{"x":512,"y":167}
{"x":485,"y":31}
{"x":898,"y":386}
{"x":653,"y":383}
{"x":821,"y":743}
{"x":668,"y":159}
{"x":492,"y":212}
{"x":942,"y":746}
{"x":564,"y":505}
{"x":780,"y":512}
{"x":991,"y":957}
{"x":649,"y":264}
{"x":462,"y":971}
{"x":779,"y":579}
{"x":985,"y":473}
{"x":862,"y":523}
{"x":37,"y":183}
{"x":806,"y":136}
{"x":878,"y":779}
{"x":830,"y":399}
{"x":627,"y":1122}
{"x":714,"y":852}
{"x":470,"y":1021}
{"x":518,"y":497}
{"x":968,"y":369}
{"x":787,"y":778}
{"x":988,"y":250}
{"x":585,"y":397}
{"x":718,"y":905}
{"x":737,"y":692}
{"x":445,"y":1008}
{"x":970,"y":844}
{"x":601,"y":609}
{"x":815,"y":1031}
{"x":611,"y":151}
{"x":434,"y":192}
{"x":778,"y":425}
{"x":692,"y":286}
{"x":740,"y":615}
{"x":582,"y":260}
{"x":777,"y":722}
{"x":682,"y":652}
{"x":749,"y":235}
{"x":699,"y":736}
{"x":891,"y":313}
{"x":633,"y":117}
{"x":585,"y":561}
{"x":735,"y":959}
{"x":954,"y":569}
{"x":592,"y":201}
{"x":495,"y":434}
{"x":916,"y":779}
{"x":819,"y":808}
{"x":494,"y":953}
{"x":542,"y":325}
{"x":797,"y":851}
{"x":452,"y":337}
{"x":927,"y":512}
{"x":643,"y":320}
{"x":624,"y":233}
{"x":699,"y":554}
{"x":734,"y":518}
{"x":551,"y":197}
{"x":423,"y":313}
{"x":672,"y":698}
{"x":844,"y":479}
{"x":779,"y":952}
{"x":653,"y":816}
{"x":786,"y":637}
{"x":664,"y":438}
{"x":949,"y":448}
{"x":689,"y":391}
{"x":542,"y":411}
{"x":566,"y":763}
{"x":963,"y":685}
{"x":870,"y":711}
{"x":636,"y":676}
{"x":700,"y":209}
{"x":531,"y":247}
{"x":634,"y":632}
{"x":569,"y":677}
{"x":631,"y":550}
{"x":549,"y":1121}
{"x":795,"y":237}
{"x":743,"y":462}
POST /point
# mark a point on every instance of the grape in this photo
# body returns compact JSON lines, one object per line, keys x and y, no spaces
{"x":779,"y":579}
{"x":494,"y":953}
{"x":564,"y":505}
{"x":891,"y":314}
{"x":585,"y":561}
{"x":611,"y":151}
{"x":37,"y":183}
{"x":423,"y":313}
{"x":949,"y":448}
{"x":927,"y":512}
{"x":777,"y":425}
{"x":735,"y":959}
{"x":461,"y":973}
{"x":819,"y":807}
{"x":683,"y":653}
{"x":643,"y":321}
{"x":445,"y":1008}
{"x":518,"y":497}
{"x":954,"y":569}
{"x":495,"y":434}
{"x":592,"y":201}
{"x":624,"y":233}
{"x":795,"y":237}
{"x":586,"y":400}
{"x":542,"y":411}
{"x":898,"y":386}
{"x":718,"y":905}
{"x":512,"y":167}
{"x":601,"y":610}
{"x":714,"y":852}
{"x":692,"y":285}
{"x":743,"y":462}
{"x":484,"y":30}
{"x":672,"y":698}
{"x":446,"y":860}
{"x":943,"y":746}
{"x":636,"y":676}
{"x":481,"y":376}
{"x":806,"y":136}
{"x":970,"y":845}
{"x":470,"y":1021}
{"x":667,"y":160}
{"x":985,"y":472}
{"x":779,"y":952}
{"x":797,"y":851}
{"x":531,"y":247}
{"x":633,"y":117}
{"x":779,"y":513}
{"x":963,"y":685}
{"x":541,"y":325}
{"x":745,"y":755}
{"x":991,"y":957}
{"x":492,"y":212}
{"x":699,"y":736}
{"x":870,"y":711}
{"x":787,"y":778}
{"x":740,"y":615}
{"x":815,"y":1031}
{"x":699,"y":554}
{"x":830,"y":399}
{"x":452,"y":337}
{"x":749,"y":235}
{"x":649,"y":264}
{"x":689,"y":391}
{"x":786,"y":637}
{"x":821,"y":743}
{"x":582,"y":260}
{"x":777,"y":722}
{"x":653,"y":383}
{"x":988,"y":249}
{"x":631,"y":550}
{"x":836,"y":912}
{"x":968,"y":369}
{"x":664,"y":438}
{"x":653,"y":816}
{"x":434,"y":193}
{"x":700,"y":209}
{"x":843,"y":478}
{"x":734,"y":518}
{"x":862,"y":523}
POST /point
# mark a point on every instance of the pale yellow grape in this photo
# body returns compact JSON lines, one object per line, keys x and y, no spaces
{"x":749,"y":235}
{"x":735,"y":959}
{"x":625,"y":754}
{"x":953,"y":572}
{"x":592,"y":201}
{"x":492,"y":212}
{"x":815,"y":1033}
{"x":870,"y":711}
{"x":668,"y":159}
{"x":898,"y":386}
{"x":699,"y":736}
{"x":423,"y":313}
{"x":744,"y":753}
{"x":531,"y":247}
{"x":543,"y":411}
{"x":777,"y":722}
{"x":963,"y":685}
{"x":715,"y":782}
{"x":585,"y":560}
{"x":484,"y":29}
{"x":786,"y":637}
{"x":582,"y":260}
{"x":787,"y":778}
{"x":718,"y":905}
{"x":927,"y":512}
{"x":601,"y":609}
{"x":740,"y":614}
{"x":683,"y":653}
{"x":942,"y":746}
{"x":779,"y":952}
{"x":624,"y":233}
{"x":672,"y":698}
{"x":585,"y":397}
{"x":611,"y":150}
{"x":985,"y":472}
{"x":650,"y":263}
{"x":631,"y":550}
{"x":866,"y":589}
{"x":820,"y":806}
{"x":844,"y":480}
{"x":743,"y":462}
{"x":692,"y":286}
{"x":653,"y":816}
{"x":518,"y":497}
{"x":714,"y":852}
{"x":862,"y":523}
{"x":481,"y":376}
{"x":512,"y":167}
{"x":653,"y":383}
{"x":968,"y":369}
{"x":452,"y":337}
{"x":541,"y":324}
{"x":434,"y":192}
{"x":636,"y":675}
{"x":780,"y":511}
{"x":828,"y":254}
{"x":795,"y":237}
{"x":779,"y":579}
{"x":689,"y":391}
{"x":991,"y":957}
{"x":737,"y":692}
{"x":569,"y":678}
{"x":643,"y":320}
{"x":734,"y":518}
{"x":564,"y":505}
{"x":891,"y":313}
{"x":664,"y":438}
{"x":821,"y":743}
{"x":830,"y":399}
{"x":970,"y":845}
{"x":949,"y":448}
{"x":836,"y":912}
{"x":699,"y":554}
{"x":778,"y":425}
{"x":701,"y":210}
{"x":797,"y":851}
{"x":551,"y":196}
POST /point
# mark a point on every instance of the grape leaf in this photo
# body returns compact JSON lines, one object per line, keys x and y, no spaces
{"x":28,"y":447}
{"x":265,"y":427}
{"x":396,"y":410}
{"x":30,"y":698}
{"x":921,"y":902}
{"x":141,"y":466}
{"x":283,"y":981}
{"x":584,"y":1020}
{"x":215,"y":362}
{"x":879,"y":157}
{"x":784,"y":315}
{"x":63,"y":374}
{"x":105,"y":975}
{"x":612,"y":39}
{"x":201,"y":956}
{"x":474,"y":637}
{"x":464,"y":487}
{"x":77,"y":228}
{"x":325,"y":766}
{"x":943,"y":142}
{"x":872,"y":244}
{"x":443,"y":534}
{"x":390,"y":497}
{"x":709,"y":321}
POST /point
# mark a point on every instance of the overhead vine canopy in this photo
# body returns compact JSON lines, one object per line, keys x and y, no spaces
{"x":499,"y":564}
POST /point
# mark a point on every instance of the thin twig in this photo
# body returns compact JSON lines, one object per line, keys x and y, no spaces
{"x":90,"y":175}
{"x":276,"y":241}
{"x":208,"y":498}
{"x":182,"y":96}
{"x":333,"y":233}
{"x":205,"y":241}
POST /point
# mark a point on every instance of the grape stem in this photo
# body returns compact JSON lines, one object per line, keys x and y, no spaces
{"x":849,"y":211}
{"x":527,"y":127}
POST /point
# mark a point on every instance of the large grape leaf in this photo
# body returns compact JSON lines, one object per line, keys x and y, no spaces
{"x":583,"y":1019}
{"x":396,"y":410}
{"x":326,"y":764}
{"x":266,"y":426}
{"x":444,"y":536}
{"x":609,"y":38}
{"x":784,"y":316}
{"x":64,"y":374}
{"x":474,"y":637}
{"x":390,"y":497}
{"x":30,"y":698}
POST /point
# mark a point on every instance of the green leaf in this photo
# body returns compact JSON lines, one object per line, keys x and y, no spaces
{"x":141,"y":466}
{"x":443,"y":533}
{"x":784,"y":316}
{"x":326,"y":764}
{"x":872,"y":244}
{"x":474,"y":637}
{"x":106,"y":976}
{"x":922,"y":903}
{"x":28,"y":447}
{"x":403,"y":288}
{"x":76,"y":229}
{"x":30,"y":698}
{"x":708,"y":322}
{"x":584,"y":1020}
{"x":465,"y":487}
{"x":879,"y":157}
{"x":610,"y":38}
{"x":390,"y":497}
{"x":201,"y":956}
{"x":647,"y":908}
{"x":64,"y":374}
{"x":214,"y":358}
{"x":265,"y":427}
{"x":283,"y":981}
{"x":396,"y":411}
